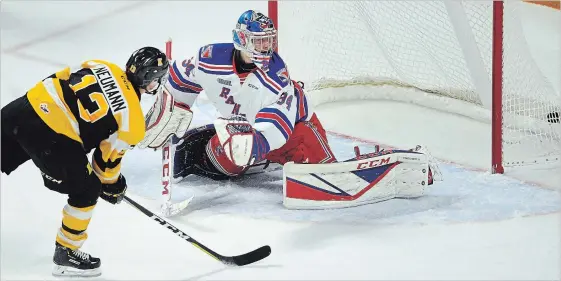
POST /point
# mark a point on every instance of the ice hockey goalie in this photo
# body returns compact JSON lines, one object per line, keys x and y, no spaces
{"x":266,"y":120}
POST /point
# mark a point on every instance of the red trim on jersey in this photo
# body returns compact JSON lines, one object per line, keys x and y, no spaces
{"x":277,"y":118}
{"x":268,"y":79}
{"x":177,"y":80}
{"x":215,"y":66}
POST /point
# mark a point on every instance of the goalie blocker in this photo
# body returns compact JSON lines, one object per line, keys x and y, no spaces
{"x":365,"y":179}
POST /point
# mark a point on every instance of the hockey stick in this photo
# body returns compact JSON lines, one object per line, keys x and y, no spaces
{"x":244,"y":259}
{"x":168,"y":208}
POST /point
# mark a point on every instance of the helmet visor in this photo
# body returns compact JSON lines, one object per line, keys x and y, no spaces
{"x":257,"y":43}
{"x":264,"y":42}
{"x":155,"y":86}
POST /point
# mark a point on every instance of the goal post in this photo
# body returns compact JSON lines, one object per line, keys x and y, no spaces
{"x":465,"y":57}
{"x":497,"y":90}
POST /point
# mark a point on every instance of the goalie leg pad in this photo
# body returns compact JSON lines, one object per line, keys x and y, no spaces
{"x":402,"y":174}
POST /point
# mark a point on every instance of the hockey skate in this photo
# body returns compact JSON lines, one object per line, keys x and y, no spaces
{"x":70,"y":263}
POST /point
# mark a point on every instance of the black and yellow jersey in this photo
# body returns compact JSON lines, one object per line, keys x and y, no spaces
{"x":95,"y":105}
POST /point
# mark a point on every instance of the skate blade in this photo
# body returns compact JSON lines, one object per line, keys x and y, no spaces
{"x":67,"y":271}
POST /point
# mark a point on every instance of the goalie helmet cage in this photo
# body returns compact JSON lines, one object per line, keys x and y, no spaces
{"x":466,"y":57}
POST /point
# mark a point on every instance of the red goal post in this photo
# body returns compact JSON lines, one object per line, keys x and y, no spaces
{"x":463,"y":52}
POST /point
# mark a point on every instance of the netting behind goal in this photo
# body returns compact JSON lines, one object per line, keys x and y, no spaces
{"x":436,"y":53}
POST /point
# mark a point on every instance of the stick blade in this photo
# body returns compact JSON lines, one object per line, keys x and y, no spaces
{"x":169,"y":209}
{"x":248,"y":258}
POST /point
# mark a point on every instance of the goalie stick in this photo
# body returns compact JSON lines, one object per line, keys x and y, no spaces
{"x":240,"y":260}
{"x":168,"y":208}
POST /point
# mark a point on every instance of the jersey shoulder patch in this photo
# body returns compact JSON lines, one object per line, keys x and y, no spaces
{"x":216,"y":59}
{"x":278,"y":70}
{"x":276,"y":77}
{"x":219,"y":53}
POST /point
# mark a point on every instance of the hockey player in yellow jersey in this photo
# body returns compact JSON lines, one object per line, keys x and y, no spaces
{"x":61,"y":119}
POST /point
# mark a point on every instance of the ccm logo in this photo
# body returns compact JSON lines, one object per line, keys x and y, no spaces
{"x":165,"y":169}
{"x":171,"y":227}
{"x":373,"y":163}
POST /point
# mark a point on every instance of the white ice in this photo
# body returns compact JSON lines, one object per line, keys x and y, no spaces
{"x":474,"y":225}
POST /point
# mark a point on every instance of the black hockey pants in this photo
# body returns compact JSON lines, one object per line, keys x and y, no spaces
{"x":63,"y":162}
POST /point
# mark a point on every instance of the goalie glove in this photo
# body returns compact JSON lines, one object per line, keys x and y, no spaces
{"x":165,"y":118}
{"x":242,"y":144}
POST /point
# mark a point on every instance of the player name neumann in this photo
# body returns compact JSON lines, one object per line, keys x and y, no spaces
{"x":110,"y":88}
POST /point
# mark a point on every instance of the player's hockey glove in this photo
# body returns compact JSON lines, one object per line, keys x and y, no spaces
{"x":114,"y":192}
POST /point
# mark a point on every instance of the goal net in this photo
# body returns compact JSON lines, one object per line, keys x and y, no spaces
{"x":435,"y":53}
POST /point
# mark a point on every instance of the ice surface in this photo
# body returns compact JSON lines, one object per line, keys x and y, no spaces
{"x":472,"y":226}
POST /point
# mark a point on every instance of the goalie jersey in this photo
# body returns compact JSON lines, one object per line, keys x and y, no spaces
{"x":268,"y":98}
{"x":96,"y":106}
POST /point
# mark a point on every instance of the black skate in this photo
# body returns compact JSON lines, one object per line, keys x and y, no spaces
{"x":70,"y":262}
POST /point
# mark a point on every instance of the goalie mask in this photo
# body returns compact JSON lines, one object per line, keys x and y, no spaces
{"x":256,"y":36}
{"x":145,"y":66}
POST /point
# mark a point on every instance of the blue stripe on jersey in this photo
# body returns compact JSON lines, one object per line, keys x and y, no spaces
{"x":260,"y":146}
{"x":181,"y":88}
{"x":277,"y":118}
{"x":305,"y":107}
{"x":177,"y":73}
{"x":278,"y":113}
{"x":267,"y":85}
{"x":301,"y":103}
{"x":220,"y":72}
{"x":274,"y":122}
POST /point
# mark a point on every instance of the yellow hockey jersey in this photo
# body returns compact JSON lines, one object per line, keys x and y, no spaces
{"x":95,"y":105}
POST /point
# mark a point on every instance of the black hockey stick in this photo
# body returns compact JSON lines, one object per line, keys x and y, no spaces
{"x":247,"y":258}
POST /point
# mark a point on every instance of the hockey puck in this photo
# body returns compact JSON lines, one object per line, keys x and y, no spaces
{"x":553,"y":117}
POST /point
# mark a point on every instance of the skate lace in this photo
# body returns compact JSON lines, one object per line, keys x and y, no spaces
{"x":81,"y":254}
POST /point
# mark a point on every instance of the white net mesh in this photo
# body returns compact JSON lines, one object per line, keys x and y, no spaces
{"x":441,"y":49}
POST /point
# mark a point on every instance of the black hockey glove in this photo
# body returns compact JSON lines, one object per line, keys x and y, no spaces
{"x":114,"y":192}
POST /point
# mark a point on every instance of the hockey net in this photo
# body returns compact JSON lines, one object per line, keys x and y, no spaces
{"x":437,"y":54}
